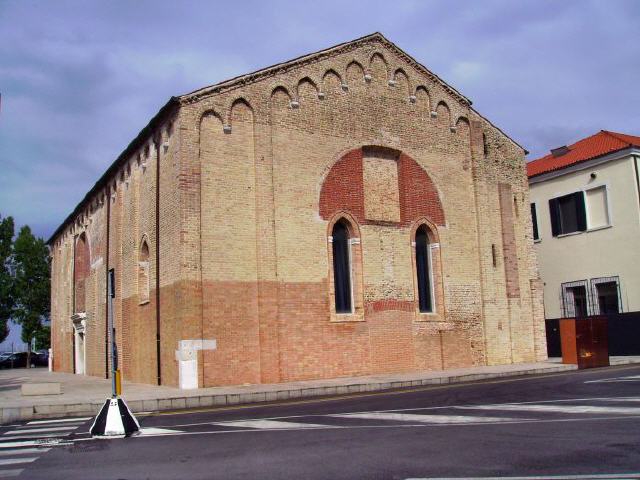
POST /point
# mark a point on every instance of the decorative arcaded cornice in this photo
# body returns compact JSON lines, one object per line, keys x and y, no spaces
{"x":312,"y":58}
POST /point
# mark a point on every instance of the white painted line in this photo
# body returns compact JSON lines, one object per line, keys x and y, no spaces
{"x":10,"y":473}
{"x":631,"y":378}
{"x":620,"y":399}
{"x":555,"y":408}
{"x":604,"y":476}
{"x":14,"y":461}
{"x":36,"y":436}
{"x":150,"y":431}
{"x":39,"y":430}
{"x":63,"y":420}
{"x":270,"y":424}
{"x":31,"y":443}
{"x":412,"y":417}
{"x":23,"y":451}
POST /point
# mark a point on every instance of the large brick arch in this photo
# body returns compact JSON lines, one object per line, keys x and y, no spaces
{"x":343,"y":190}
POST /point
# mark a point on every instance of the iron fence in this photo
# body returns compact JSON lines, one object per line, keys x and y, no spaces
{"x":597,"y":296}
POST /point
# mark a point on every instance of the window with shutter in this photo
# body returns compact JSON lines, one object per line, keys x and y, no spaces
{"x":568,"y":214}
{"x":534,"y":222}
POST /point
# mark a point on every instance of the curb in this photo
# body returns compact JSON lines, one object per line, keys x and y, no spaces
{"x":14,"y":414}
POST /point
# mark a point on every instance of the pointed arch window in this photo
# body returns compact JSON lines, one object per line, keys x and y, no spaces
{"x":143,"y":272}
{"x":424,"y":270}
{"x":342,"y":277}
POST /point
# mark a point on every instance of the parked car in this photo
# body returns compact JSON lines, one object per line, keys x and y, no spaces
{"x":19,"y":360}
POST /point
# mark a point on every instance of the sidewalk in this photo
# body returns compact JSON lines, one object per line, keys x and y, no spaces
{"x":83,"y":396}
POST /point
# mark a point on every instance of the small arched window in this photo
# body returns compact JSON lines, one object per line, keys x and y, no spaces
{"x":143,"y":273}
{"x":342,"y":267}
{"x":423,"y":270}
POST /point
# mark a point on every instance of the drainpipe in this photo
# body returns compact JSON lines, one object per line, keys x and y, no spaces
{"x":106,"y":301}
{"x":158,"y":367}
{"x":73,"y":305}
{"x":635,"y":168}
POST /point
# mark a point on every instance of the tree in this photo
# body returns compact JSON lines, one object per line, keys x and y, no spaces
{"x":6,"y":280}
{"x":43,"y":338}
{"x":31,"y":285}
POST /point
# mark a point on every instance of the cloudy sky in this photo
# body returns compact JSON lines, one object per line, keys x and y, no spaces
{"x":79,"y":79}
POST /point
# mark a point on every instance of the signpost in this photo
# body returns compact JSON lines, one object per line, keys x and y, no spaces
{"x":114,"y":419}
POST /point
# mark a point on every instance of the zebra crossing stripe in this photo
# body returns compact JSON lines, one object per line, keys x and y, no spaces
{"x":271,"y":424}
{"x":62,"y":420}
{"x":23,"y":451}
{"x":26,"y":443}
{"x":10,"y":473}
{"x":48,"y":436}
{"x":554,"y":408}
{"x":14,"y":461}
{"x":39,"y":430}
{"x":416,"y":418}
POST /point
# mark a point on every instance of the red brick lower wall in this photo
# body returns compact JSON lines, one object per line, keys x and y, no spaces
{"x":295,"y":340}
{"x":273,"y":333}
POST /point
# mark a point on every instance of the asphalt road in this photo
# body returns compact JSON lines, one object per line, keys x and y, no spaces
{"x":582,"y":424}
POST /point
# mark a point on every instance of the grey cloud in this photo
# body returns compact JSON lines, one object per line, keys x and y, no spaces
{"x":79,"y":79}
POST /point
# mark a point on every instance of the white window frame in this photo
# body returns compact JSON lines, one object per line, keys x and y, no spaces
{"x":351,"y":242}
{"x":585,"y":189}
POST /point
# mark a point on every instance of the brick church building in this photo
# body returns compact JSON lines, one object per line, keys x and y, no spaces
{"x":344,"y":213}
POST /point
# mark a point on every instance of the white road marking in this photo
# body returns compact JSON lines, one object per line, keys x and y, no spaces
{"x":39,"y":430}
{"x":150,"y":431}
{"x":40,"y":435}
{"x":631,"y":378}
{"x":14,"y":461}
{"x":63,"y":420}
{"x":604,"y":476}
{"x":270,"y":424}
{"x":409,"y":417}
{"x":27,"y":443}
{"x":620,"y":399}
{"x":23,"y":451}
{"x":555,"y":408}
{"x":10,"y":473}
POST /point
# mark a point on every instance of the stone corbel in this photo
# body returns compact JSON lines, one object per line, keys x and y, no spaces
{"x":79,"y":321}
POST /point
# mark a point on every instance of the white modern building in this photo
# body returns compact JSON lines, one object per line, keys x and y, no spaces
{"x":585,"y":208}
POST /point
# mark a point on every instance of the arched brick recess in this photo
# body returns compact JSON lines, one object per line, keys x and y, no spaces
{"x":343,"y":189}
{"x":418,"y":195}
{"x":81,"y":265}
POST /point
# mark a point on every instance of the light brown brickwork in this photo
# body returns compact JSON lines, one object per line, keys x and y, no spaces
{"x":235,"y":189}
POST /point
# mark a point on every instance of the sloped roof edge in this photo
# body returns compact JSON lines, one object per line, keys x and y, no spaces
{"x":315,"y":56}
{"x":594,"y":146}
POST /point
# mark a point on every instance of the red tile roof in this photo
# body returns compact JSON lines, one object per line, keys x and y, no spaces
{"x":601,"y":143}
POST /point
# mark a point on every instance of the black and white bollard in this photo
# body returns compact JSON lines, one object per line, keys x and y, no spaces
{"x":115,"y":420}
